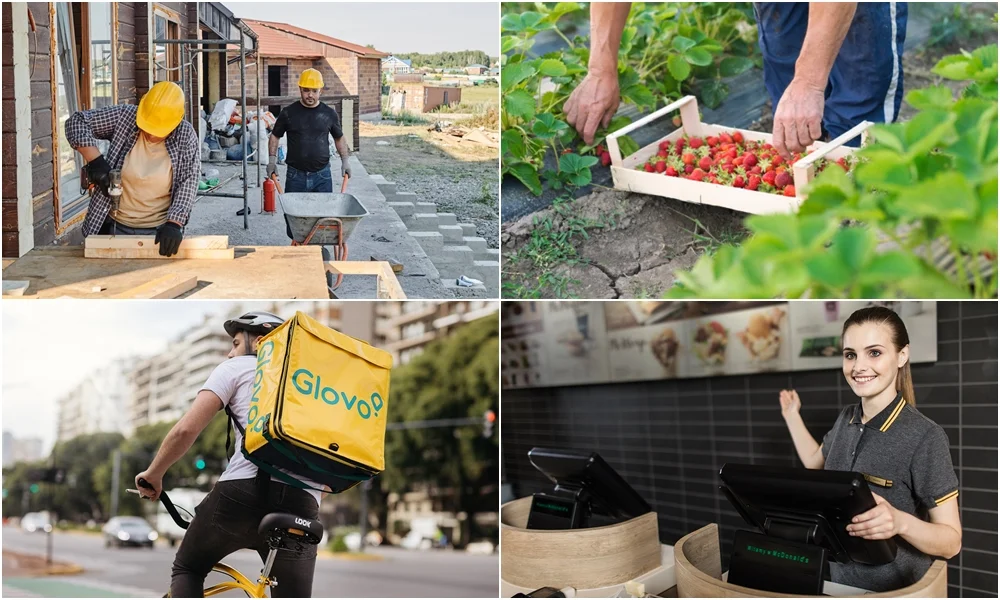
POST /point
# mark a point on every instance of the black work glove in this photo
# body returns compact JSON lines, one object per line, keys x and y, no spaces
{"x":99,"y":173}
{"x":168,"y":237}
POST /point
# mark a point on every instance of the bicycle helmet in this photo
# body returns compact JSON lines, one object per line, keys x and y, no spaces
{"x":257,"y":323}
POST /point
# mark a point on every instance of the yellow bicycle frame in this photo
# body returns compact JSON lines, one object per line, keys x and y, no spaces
{"x":240,"y":582}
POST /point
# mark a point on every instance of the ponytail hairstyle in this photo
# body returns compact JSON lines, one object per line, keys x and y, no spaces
{"x":881,"y":315}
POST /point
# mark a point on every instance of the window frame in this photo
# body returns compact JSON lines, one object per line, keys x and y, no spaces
{"x":172,"y":52}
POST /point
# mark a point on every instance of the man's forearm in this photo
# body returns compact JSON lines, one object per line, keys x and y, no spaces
{"x":174,"y":446}
{"x":342,"y":148}
{"x":272,"y":145}
{"x":89,"y":153}
{"x":828,"y":26}
{"x":936,"y":539}
{"x":607,"y":21}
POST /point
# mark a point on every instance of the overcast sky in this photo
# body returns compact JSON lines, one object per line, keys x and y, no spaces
{"x":394,"y":27}
{"x":50,"y":346}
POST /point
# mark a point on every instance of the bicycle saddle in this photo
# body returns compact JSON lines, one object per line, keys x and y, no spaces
{"x":295,"y":527}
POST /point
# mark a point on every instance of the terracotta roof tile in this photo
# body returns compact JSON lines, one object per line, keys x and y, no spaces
{"x":263,"y":28}
{"x":275,"y":43}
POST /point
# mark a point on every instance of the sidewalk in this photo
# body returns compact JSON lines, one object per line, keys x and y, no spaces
{"x":381,"y":234}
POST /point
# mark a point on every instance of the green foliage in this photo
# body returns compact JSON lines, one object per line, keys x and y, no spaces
{"x":455,"y":377}
{"x":931,"y":179}
{"x":962,"y":24}
{"x":446,"y":60}
{"x":667,"y":50}
{"x":337,"y":544}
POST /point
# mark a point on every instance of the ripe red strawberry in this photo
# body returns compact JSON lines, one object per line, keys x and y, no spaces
{"x":688,"y":158}
{"x":738,"y":182}
{"x":705,"y":163}
{"x":664,"y":145}
{"x":688,"y":169}
{"x":725,"y":138}
{"x":695,"y":142}
{"x":697,"y":175}
{"x":677,"y":121}
{"x":567,"y":150}
{"x":599,"y":149}
{"x":768,"y":177}
{"x":648,"y":168}
{"x":663,"y":154}
{"x":712,"y":141}
{"x":843,"y":163}
{"x":661,"y":166}
{"x":737,"y":137}
{"x":752,"y":182}
{"x":728,"y":168}
{"x":671,"y":172}
{"x":755,"y":170}
{"x":789,"y":191}
{"x":738,"y":161}
{"x":749,"y":159}
{"x":605,"y":158}
{"x":732,"y":153}
{"x":782,"y":179}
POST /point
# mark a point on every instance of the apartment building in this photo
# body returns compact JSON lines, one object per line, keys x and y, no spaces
{"x":98,"y":404}
{"x":406,"y":328}
{"x":164,"y":386}
{"x":17,"y":450}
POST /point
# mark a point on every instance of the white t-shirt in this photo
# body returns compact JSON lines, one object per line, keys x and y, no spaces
{"x":232,"y":382}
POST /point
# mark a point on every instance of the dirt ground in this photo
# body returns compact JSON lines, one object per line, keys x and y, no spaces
{"x":460,"y":177}
{"x":612,"y":244}
{"x":16,"y":564}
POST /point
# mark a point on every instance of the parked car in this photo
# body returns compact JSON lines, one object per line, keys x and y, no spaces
{"x":128,"y":531}
{"x":36,"y":521}
{"x":185,"y":500}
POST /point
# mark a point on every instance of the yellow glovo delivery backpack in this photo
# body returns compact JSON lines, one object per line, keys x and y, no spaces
{"x":319,"y":406}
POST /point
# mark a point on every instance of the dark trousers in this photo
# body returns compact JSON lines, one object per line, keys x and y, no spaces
{"x":304,"y":182}
{"x":111,"y":227}
{"x":227,"y":520}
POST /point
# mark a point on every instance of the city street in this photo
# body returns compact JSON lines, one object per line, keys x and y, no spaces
{"x":135,"y":572}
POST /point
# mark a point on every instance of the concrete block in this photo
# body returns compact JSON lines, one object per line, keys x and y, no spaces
{"x":423,"y":222}
{"x":487,"y":271}
{"x":424,"y":207}
{"x":453,"y":256}
{"x":408,"y":197}
{"x":447,"y":219}
{"x":387,"y":188}
{"x":403,"y":209}
{"x":377,"y":178}
{"x":430,"y":241}
{"x":452,"y":233}
{"x":489,"y":254}
{"x":468,"y":229}
{"x":477,"y":244}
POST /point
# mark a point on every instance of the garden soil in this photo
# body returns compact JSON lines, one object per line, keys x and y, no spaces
{"x":652,"y":237}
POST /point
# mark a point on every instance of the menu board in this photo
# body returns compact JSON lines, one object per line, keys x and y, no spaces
{"x":817,"y":328}
{"x":575,"y":343}
{"x":521,"y":357}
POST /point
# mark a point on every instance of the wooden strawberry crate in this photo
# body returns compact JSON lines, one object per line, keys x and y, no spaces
{"x":627,"y":178}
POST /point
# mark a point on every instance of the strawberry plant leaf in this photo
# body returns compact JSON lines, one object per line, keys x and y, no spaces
{"x":561,"y":9}
{"x":519,"y":103}
{"x":947,"y":196}
{"x":926,"y":130}
{"x":892,"y":265}
{"x":513,"y":144}
{"x":508,"y":43}
{"x":547,"y":126}
{"x":639,"y":95}
{"x":713,"y":93}
{"x":734,"y":65}
{"x":526,"y":174}
{"x":955,"y":67}
{"x":937,"y":97}
{"x":573,"y":163}
{"x":828,"y":270}
{"x":627,"y":146}
{"x":698,"y":56}
{"x":853,"y":246}
{"x":515,"y":73}
{"x":678,"y":67}
{"x":681,"y":43}
{"x":551,"y":67}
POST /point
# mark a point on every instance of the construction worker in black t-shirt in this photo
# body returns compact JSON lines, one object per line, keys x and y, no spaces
{"x":308,"y":123}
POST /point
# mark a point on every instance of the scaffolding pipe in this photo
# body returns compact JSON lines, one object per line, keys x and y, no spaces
{"x":260,"y":117}
{"x":243,"y":128}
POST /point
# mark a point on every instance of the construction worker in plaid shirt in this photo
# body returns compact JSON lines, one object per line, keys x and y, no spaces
{"x":159,"y":157}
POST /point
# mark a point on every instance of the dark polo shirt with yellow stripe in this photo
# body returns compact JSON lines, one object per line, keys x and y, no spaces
{"x":904,"y":456}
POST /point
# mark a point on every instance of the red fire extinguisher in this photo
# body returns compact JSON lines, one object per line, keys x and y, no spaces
{"x":270,"y":187}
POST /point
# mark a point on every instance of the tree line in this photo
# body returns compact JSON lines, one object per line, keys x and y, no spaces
{"x":447,"y":60}
{"x":455,"y":377}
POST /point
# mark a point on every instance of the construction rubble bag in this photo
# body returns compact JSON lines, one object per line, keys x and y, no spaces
{"x":319,"y":406}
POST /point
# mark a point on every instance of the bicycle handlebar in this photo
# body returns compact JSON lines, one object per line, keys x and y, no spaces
{"x":167,"y":504}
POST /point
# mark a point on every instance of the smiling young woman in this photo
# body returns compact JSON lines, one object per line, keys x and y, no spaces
{"x":902,"y":454}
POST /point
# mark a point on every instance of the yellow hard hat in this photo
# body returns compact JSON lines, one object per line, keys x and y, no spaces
{"x":161,"y":110}
{"x":311,"y":79}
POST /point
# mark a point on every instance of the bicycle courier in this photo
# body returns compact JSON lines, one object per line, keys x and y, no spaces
{"x":319,"y":406}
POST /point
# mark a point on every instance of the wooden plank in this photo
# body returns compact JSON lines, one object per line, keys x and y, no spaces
{"x":14,"y":288}
{"x":214,"y":247}
{"x":256,"y":272}
{"x":387,"y":285}
{"x":168,"y":286}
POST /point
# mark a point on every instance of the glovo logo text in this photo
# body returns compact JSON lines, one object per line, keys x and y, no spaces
{"x":255,"y":421}
{"x":312,"y":385}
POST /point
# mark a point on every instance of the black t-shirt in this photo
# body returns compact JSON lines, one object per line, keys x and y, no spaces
{"x":307,"y":129}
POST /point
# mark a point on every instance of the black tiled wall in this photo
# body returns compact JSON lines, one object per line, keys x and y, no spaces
{"x":669,"y":438}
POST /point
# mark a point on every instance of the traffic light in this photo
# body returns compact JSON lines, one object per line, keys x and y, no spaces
{"x":199,"y":463}
{"x":489,"y":418}
{"x":34,"y":488}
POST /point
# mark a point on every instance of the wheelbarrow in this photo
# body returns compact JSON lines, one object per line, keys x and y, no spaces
{"x":323,"y":219}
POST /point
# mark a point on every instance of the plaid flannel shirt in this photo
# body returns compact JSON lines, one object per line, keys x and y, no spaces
{"x":117,"y":124}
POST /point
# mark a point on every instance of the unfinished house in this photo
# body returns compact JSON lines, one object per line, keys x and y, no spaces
{"x":410,"y":93}
{"x":59,"y":58}
{"x":216,"y":22}
{"x":350,"y":71}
